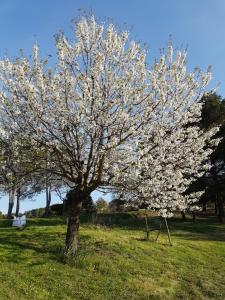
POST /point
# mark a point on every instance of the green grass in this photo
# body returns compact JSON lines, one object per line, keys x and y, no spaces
{"x":114,"y":261}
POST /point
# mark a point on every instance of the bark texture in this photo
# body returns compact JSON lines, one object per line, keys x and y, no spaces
{"x":183,"y":216}
{"x":48,"y":200}
{"x":17,"y":203}
{"x":220,"y":207}
{"x":75,"y":199}
{"x":11,"y":203}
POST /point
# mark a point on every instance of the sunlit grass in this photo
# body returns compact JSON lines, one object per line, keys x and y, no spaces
{"x":114,"y":261}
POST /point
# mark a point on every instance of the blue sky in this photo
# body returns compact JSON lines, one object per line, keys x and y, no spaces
{"x":197,"y":24}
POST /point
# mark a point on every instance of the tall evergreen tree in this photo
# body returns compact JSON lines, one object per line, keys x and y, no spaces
{"x":213,"y":114}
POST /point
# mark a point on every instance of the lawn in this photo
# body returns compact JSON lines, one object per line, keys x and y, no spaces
{"x":114,"y":261}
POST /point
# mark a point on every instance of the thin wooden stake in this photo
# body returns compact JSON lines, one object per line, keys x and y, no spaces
{"x":147,"y":228}
{"x":168,"y":232}
{"x":159,"y":231}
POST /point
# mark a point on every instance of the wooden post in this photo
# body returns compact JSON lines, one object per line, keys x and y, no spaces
{"x":147,"y":228}
{"x":168,"y":232}
{"x":160,"y":226}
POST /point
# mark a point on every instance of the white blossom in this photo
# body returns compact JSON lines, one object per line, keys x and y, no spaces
{"x":107,"y":119}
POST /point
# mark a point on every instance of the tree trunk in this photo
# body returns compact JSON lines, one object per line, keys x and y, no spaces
{"x":75,"y":199}
{"x":10,"y":208}
{"x":48,"y":200}
{"x":216,"y":210}
{"x":220,"y":206}
{"x":17,"y":203}
{"x":64,"y":207}
{"x":11,"y":203}
{"x":183,"y":216}
{"x":193,"y":216}
{"x":204,"y":207}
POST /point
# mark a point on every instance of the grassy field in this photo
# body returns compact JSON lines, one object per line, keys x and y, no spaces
{"x":114,"y":261}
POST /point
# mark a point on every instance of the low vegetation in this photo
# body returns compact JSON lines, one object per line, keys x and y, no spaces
{"x":114,"y":260}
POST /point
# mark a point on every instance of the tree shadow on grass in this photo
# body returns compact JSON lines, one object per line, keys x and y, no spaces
{"x":54,"y":221}
{"x":209,"y":234}
{"x":5,"y":223}
{"x":204,"y":228}
{"x":17,"y":247}
{"x":126,"y":221}
{"x":44,"y":244}
{"x":39,"y":246}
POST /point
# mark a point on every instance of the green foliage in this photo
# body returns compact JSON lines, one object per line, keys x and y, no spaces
{"x":56,"y":209}
{"x":213,"y":114}
{"x":101,"y":205}
{"x":113,"y":263}
{"x":35,"y":213}
{"x":116,"y":205}
{"x":88,"y":205}
{"x":213,"y":111}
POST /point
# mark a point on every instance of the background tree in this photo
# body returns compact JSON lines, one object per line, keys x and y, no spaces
{"x":117,"y":205}
{"x":213,"y":113}
{"x":88,"y":205}
{"x":17,"y":162}
{"x":101,"y":205}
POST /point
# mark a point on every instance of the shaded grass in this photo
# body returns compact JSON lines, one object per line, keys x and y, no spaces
{"x":114,"y":261}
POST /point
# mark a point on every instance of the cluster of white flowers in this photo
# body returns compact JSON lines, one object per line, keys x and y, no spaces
{"x":109,"y":120}
{"x":170,"y":153}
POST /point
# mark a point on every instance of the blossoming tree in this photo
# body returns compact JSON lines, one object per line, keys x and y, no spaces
{"x":100,"y":112}
{"x":18,"y":169}
{"x":84,"y":112}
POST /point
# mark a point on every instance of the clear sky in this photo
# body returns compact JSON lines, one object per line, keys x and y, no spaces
{"x":197,"y":24}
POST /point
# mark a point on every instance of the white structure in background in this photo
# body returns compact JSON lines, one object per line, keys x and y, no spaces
{"x":19,"y":221}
